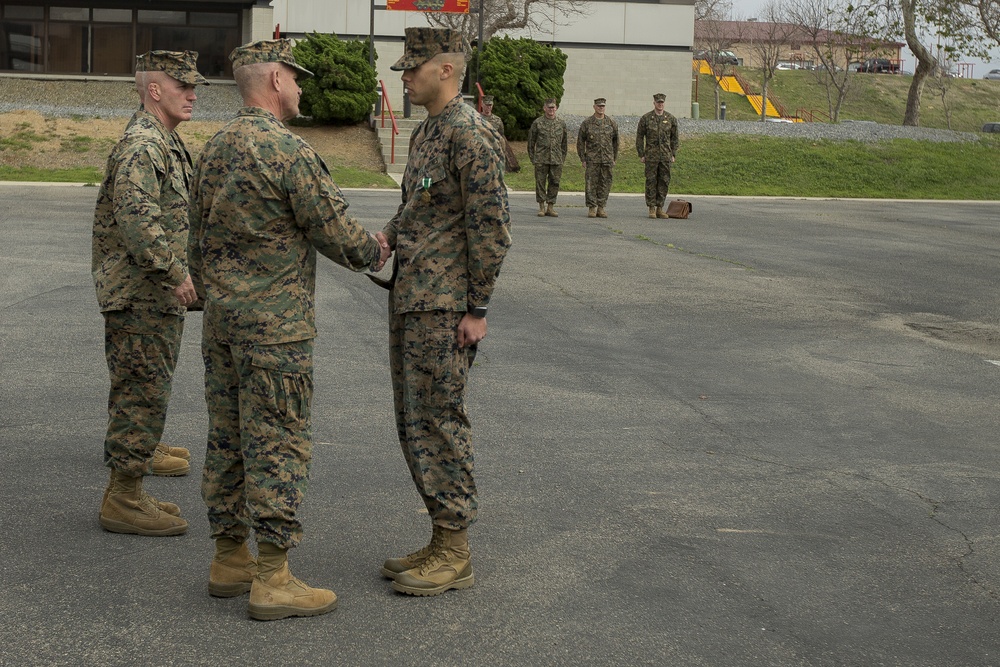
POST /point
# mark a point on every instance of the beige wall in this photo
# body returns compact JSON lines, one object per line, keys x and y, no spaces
{"x":623,"y":76}
{"x":628,"y":78}
{"x":258,"y":23}
{"x":637,"y":48}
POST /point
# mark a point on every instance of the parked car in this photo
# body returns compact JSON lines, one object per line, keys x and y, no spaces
{"x":721,"y":57}
{"x":993,"y":74}
{"x":879,"y":66}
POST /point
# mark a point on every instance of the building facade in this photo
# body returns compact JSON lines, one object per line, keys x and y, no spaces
{"x":623,"y":51}
{"x":794,"y":45}
{"x":69,"y":37}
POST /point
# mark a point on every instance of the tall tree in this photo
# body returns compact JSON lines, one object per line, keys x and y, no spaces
{"x":773,"y":35}
{"x":966,"y":27}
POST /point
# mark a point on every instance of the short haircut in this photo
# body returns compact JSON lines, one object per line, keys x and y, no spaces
{"x":250,"y":78}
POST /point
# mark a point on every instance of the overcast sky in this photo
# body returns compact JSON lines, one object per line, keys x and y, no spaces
{"x":749,"y":8}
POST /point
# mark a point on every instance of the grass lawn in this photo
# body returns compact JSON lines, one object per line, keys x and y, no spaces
{"x":739,"y":165}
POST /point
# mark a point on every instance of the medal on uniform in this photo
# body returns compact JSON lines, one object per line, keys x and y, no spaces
{"x":426,"y":196}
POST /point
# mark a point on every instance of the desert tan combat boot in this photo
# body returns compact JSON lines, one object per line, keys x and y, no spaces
{"x":233,"y":569}
{"x":127,"y":509}
{"x":591,"y":212}
{"x":601,"y":213}
{"x":179,"y":452}
{"x":276,"y":594}
{"x":653,"y":211}
{"x":166,"y":465}
{"x":541,"y":209}
{"x":660,"y":213}
{"x":551,"y":212}
{"x":168,"y":507}
{"x":396,"y":566}
{"x":448,"y":567}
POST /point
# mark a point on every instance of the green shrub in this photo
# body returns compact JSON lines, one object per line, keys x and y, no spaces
{"x":343,"y":90}
{"x":521,"y":74}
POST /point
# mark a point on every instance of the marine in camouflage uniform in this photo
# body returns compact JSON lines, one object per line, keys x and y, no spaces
{"x":547,"y":146}
{"x":263,"y":206}
{"x":140,"y":272}
{"x":493,"y":119}
{"x":597,"y":146}
{"x":450,"y":235}
{"x":510,"y":160}
{"x":656,"y":143}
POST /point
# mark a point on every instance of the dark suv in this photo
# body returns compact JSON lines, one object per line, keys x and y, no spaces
{"x":721,"y":57}
{"x":879,"y":66}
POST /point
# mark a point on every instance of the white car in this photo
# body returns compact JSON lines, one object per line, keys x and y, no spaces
{"x":992,"y":74}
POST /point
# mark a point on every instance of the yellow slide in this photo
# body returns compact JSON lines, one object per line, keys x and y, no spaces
{"x":731,"y":84}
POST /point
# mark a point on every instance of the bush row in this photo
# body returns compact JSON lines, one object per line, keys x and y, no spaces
{"x":520,"y":73}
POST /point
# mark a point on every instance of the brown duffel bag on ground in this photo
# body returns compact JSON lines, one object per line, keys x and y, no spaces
{"x":679,"y":208}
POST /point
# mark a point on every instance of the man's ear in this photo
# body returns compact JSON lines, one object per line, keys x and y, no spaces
{"x":447,"y":70}
{"x":153,"y":90}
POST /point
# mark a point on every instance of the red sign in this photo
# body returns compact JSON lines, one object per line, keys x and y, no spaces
{"x":444,"y":6}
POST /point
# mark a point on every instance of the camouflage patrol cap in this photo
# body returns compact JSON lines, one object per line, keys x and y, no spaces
{"x":600,"y":101}
{"x":551,"y":102}
{"x":487,"y":99}
{"x":181,"y":65}
{"x":659,"y":97}
{"x":422,"y":44}
{"x":267,"y":51}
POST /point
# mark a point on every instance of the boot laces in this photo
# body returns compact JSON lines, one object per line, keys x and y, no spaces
{"x":437,"y":558}
{"x":422,"y":552}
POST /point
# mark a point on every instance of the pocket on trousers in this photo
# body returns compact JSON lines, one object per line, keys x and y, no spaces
{"x":282,"y":376}
{"x":134,"y":356}
{"x":446,"y":366}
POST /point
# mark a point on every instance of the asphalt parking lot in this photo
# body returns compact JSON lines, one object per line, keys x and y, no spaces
{"x":765,"y":435}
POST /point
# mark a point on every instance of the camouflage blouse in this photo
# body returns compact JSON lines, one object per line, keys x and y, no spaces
{"x":452,"y":230}
{"x":656,"y":137}
{"x":597,"y":140}
{"x":141,"y":220}
{"x":263,"y":204}
{"x":547,"y":141}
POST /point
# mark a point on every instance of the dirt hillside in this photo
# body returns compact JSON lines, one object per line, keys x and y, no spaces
{"x":29,"y":139}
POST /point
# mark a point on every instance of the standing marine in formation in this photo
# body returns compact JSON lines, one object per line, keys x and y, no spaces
{"x":656,"y":143}
{"x":597,"y":146}
{"x":547,"y":146}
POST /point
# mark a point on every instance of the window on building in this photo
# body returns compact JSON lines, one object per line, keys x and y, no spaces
{"x":101,"y":40}
{"x":22,"y":32}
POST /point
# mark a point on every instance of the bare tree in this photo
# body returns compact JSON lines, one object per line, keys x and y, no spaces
{"x":717,"y":10}
{"x":773,"y":34}
{"x":940,"y":83}
{"x":713,"y":37}
{"x":502,"y":15}
{"x":837,"y":35}
{"x":988,"y":12}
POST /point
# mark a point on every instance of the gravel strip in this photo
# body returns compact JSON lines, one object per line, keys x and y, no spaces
{"x":221,"y":100}
{"x":104,"y":98}
{"x":864,"y":131}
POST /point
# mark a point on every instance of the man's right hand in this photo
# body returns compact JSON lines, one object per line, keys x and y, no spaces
{"x":384,"y":250}
{"x":185,"y":292}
